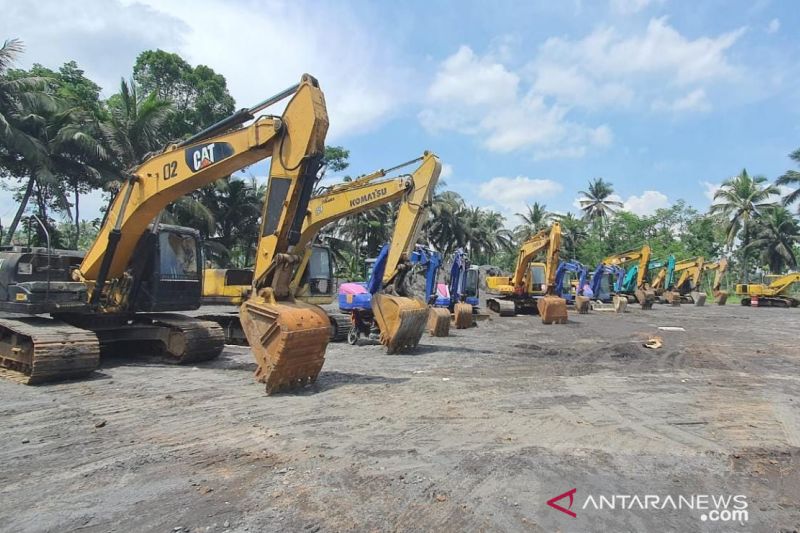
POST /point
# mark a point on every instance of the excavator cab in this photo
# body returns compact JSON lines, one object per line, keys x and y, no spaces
{"x":537,"y":279}
{"x":472,"y":286}
{"x":171,"y":277}
{"x":318,"y":276}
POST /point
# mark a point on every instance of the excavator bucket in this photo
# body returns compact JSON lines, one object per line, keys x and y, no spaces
{"x":720,"y":297}
{"x":582,"y":304}
{"x":400,"y":320}
{"x":462,"y":314}
{"x":438,"y":322}
{"x":620,"y":304}
{"x":671,"y":297}
{"x":288,"y":341}
{"x":646,"y":297}
{"x":552,"y":309}
{"x":699,"y":298}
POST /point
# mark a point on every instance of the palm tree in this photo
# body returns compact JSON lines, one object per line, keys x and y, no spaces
{"x":536,"y":219}
{"x":22,"y":103}
{"x":775,"y":235}
{"x":791,"y":178}
{"x":573,"y":232}
{"x":447,"y":228}
{"x":136,"y":126}
{"x":741,"y":199}
{"x":596,"y":205}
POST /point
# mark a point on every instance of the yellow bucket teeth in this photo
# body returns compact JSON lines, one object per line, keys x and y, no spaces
{"x":401,"y":320}
{"x":463,"y":315}
{"x":438,"y":322}
{"x":288,"y":341}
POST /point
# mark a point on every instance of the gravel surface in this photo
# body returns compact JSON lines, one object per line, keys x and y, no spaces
{"x":473,"y":432}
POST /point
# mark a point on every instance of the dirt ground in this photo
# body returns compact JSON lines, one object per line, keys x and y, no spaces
{"x":473,"y":432}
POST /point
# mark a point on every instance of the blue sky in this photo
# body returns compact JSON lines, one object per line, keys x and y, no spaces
{"x":523,"y":101}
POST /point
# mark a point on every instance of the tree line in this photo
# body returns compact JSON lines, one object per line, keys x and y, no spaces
{"x":59,"y":140}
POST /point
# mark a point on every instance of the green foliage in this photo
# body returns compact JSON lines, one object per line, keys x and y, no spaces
{"x":596,"y":202}
{"x":198,"y":96}
{"x":336,"y":157}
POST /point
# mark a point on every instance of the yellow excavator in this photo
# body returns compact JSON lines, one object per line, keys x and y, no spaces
{"x":776,"y":294}
{"x":641,"y":292}
{"x":312,"y":282}
{"x":137,"y":267}
{"x":532,"y":287}
{"x":719,"y":268}
{"x":689,"y":273}
{"x":687,"y":287}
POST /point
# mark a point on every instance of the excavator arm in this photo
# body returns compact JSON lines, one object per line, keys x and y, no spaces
{"x":643,"y":294}
{"x":212,"y":154}
{"x":363,"y":194}
{"x":720,"y":267}
{"x":690,"y":271}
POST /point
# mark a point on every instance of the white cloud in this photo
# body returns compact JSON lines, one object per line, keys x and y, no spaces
{"x":512,"y":195}
{"x":104,"y":37}
{"x":473,"y":80}
{"x":629,"y":7}
{"x":710,"y":189}
{"x":260,"y":48}
{"x":447,"y":171}
{"x":659,"y":50}
{"x":647,"y":203}
{"x":695,"y":100}
{"x":606,"y":69}
{"x":478,"y":96}
{"x":774,"y":26}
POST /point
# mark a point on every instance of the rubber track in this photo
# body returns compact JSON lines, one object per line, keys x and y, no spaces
{"x":340,"y":325}
{"x":204,"y":339}
{"x":60,"y":351}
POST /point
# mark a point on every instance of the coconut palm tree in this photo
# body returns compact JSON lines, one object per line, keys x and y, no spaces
{"x":573,"y":232}
{"x":447,"y":227}
{"x":596,"y":204}
{"x":534,"y":220}
{"x":775,"y":236}
{"x":792,"y":179}
{"x":22,"y":103}
{"x":742,"y":199}
{"x":137,"y":124}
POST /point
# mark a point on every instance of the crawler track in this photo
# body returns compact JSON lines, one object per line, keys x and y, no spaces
{"x":38,"y":350}
{"x":190,"y":339}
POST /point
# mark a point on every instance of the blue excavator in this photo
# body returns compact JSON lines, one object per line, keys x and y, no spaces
{"x":578,"y":298}
{"x":463,"y":288}
{"x":439,"y":304}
